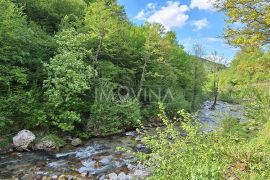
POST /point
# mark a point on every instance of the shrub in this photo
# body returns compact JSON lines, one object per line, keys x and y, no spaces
{"x":109,"y":115}
{"x":193,"y":156}
{"x":113,"y":117}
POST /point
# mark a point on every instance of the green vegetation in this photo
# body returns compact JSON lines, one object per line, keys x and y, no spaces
{"x":254,"y":19}
{"x":56,"y":140}
{"x":80,"y":67}
{"x":235,"y":150}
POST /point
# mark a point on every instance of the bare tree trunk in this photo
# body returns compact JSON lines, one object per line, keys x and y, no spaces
{"x":215,"y":94}
{"x":102,"y":35}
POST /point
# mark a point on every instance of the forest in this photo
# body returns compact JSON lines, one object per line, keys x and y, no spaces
{"x":82,"y":69}
{"x":56,"y":59}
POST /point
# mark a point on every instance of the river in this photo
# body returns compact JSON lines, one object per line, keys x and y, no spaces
{"x":100,"y":158}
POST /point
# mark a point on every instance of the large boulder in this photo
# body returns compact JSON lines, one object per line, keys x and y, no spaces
{"x":23,"y":139}
{"x":46,"y":145}
{"x":76,"y":142}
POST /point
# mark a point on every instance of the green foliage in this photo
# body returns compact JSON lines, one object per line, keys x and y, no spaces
{"x":49,"y":13}
{"x":22,"y":49}
{"x":253,"y":15}
{"x":236,"y":150}
{"x":58,"y":142}
{"x":193,"y":156}
{"x":68,"y":78}
{"x":110,"y":114}
{"x":55,"y":53}
{"x":247,"y":81}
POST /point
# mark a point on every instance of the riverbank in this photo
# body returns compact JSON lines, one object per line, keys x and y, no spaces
{"x":99,"y":158}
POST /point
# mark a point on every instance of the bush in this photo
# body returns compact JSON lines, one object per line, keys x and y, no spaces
{"x":112,"y":117}
{"x":194,"y":156}
{"x":51,"y":137}
{"x":109,"y":114}
{"x":236,"y":151}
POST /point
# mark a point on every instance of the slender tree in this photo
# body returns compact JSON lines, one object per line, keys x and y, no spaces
{"x":197,"y":74}
{"x":219,"y":63}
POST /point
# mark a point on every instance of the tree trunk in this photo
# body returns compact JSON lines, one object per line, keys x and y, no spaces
{"x":215,"y":94}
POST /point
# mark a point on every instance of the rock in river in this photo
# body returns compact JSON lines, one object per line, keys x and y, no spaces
{"x":76,"y":142}
{"x":23,"y":139}
{"x":46,"y":145}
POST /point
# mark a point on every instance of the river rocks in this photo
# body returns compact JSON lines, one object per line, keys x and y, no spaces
{"x":23,"y":139}
{"x":141,"y":173}
{"x":76,"y":142}
{"x":54,"y":177}
{"x":62,"y":177}
{"x":120,"y":176}
{"x":123,"y":176}
{"x":83,"y":174}
{"x":46,"y":178}
{"x":97,"y":164}
{"x":140,"y":148}
{"x":138,"y":171}
{"x":16,"y":154}
{"x":131,"y":133}
{"x":112,"y":176}
{"x":45,"y":144}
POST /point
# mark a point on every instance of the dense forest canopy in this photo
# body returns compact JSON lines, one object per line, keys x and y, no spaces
{"x":55,"y":55}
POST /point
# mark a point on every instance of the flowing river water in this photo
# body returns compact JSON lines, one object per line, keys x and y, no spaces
{"x":99,"y":158}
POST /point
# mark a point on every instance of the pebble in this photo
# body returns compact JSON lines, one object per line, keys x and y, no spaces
{"x":112,"y":176}
{"x":123,"y":176}
{"x":62,"y":177}
{"x":83,"y":174}
{"x":54,"y":177}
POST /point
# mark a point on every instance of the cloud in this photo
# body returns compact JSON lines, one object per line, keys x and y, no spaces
{"x":144,"y":13}
{"x":217,"y":59}
{"x":213,"y":39}
{"x":151,"y":6}
{"x":203,"y":4}
{"x":173,"y":14}
{"x":214,"y":58}
{"x":200,"y":24}
{"x":140,"y":15}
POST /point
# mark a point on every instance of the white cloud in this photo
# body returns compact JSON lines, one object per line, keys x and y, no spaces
{"x":150,"y":6}
{"x":214,"y":58}
{"x":213,"y":39}
{"x":203,"y":4}
{"x":144,"y":13}
{"x":141,"y":15}
{"x":171,"y":15}
{"x":200,"y":24}
{"x":217,"y":59}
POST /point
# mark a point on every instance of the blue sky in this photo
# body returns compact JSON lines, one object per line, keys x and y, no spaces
{"x":194,"y":21}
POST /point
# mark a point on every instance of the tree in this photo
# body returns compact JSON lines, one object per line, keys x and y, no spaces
{"x":248,"y":22}
{"x":49,"y":13}
{"x":23,"y":48}
{"x":197,"y":75}
{"x":69,"y":77}
{"x":102,"y":19}
{"x":218,"y":64}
